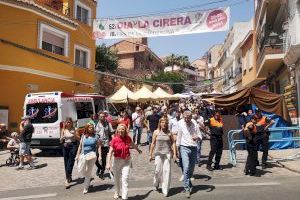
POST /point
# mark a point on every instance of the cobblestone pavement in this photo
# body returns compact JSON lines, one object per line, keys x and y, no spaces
{"x":51,"y":170}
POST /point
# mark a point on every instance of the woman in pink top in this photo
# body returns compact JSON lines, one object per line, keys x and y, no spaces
{"x":120,"y":146}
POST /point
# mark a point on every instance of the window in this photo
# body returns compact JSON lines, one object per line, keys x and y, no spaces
{"x":53,"y":40}
{"x":83,"y":13}
{"x":137,"y":47}
{"x":82,"y":56}
{"x":42,"y":113}
{"x":84,"y":109}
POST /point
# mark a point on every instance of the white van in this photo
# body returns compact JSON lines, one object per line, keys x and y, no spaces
{"x":48,"y":110}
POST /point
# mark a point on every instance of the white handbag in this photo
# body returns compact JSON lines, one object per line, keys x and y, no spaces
{"x":90,"y":156}
{"x":81,"y":160}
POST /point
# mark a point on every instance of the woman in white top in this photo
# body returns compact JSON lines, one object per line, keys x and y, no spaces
{"x":69,"y":140}
{"x":163,"y":147}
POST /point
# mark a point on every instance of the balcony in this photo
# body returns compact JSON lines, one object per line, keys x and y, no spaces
{"x":269,"y":60}
{"x":58,"y":6}
{"x":292,"y":42}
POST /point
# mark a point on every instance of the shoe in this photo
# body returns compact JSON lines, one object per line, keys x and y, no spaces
{"x":69,"y":179}
{"x":101,"y":176}
{"x":252,"y":174}
{"x":20,"y":167}
{"x":217,"y":167}
{"x":31,"y":167}
{"x":192,"y":179}
{"x":67,"y":185}
{"x":156,"y":188}
{"x":98,"y":172}
{"x":116,"y":196}
{"x":85,"y":191}
{"x":209,"y":168}
{"x":263,"y":166}
{"x":181,"y":178}
{"x":246,"y":172}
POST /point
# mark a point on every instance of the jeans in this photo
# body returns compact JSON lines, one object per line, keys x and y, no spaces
{"x":137,"y":132}
{"x":189,"y":157}
{"x":121,"y":169}
{"x":199,"y":144}
{"x":149,"y":136}
{"x":69,"y":152}
{"x":162,"y":173}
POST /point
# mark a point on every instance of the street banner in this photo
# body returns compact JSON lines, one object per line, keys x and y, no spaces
{"x":173,"y":24}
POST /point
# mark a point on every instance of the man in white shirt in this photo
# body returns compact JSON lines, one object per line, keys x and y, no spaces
{"x":137,"y":121}
{"x":187,"y":137}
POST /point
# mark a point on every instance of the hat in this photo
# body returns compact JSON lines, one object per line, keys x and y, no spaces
{"x":26,"y":117}
{"x":137,"y":108}
{"x":14,"y":134}
{"x":105,"y":111}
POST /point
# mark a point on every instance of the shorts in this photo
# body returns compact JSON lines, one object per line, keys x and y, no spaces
{"x":24,"y":148}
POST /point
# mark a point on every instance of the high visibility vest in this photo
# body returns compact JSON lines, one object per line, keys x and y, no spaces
{"x":262,"y":121}
{"x":216,"y":123}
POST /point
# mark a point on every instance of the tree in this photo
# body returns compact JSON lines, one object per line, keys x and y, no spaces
{"x":182,"y":61}
{"x":170,"y":77}
{"x":106,"y":60}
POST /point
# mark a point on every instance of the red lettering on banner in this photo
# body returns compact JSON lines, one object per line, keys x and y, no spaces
{"x":173,"y":22}
{"x":156,"y":23}
{"x":216,"y":19}
{"x":143,"y":24}
{"x":180,"y":20}
{"x":165,"y":22}
{"x":187,"y":20}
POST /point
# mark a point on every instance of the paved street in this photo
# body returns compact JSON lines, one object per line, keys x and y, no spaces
{"x":47,"y":181}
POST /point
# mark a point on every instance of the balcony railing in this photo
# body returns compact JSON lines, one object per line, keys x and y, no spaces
{"x":55,"y":5}
{"x":268,"y":50}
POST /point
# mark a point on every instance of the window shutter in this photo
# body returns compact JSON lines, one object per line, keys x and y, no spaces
{"x":53,"y":39}
{"x":78,"y":13}
{"x":77,"y":57}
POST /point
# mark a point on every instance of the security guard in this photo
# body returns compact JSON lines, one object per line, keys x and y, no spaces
{"x":216,"y":140}
{"x":262,"y":125}
{"x":250,"y":133}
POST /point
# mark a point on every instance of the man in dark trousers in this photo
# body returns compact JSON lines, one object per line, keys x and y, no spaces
{"x":215,"y":124}
{"x":250,"y":133}
{"x":262,"y":124}
{"x":152,"y":123}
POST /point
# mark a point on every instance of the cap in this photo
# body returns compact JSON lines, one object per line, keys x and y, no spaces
{"x":26,"y":117}
{"x":105,"y":111}
{"x":137,"y":108}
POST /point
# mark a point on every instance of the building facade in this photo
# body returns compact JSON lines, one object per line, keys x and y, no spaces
{"x":44,"y":46}
{"x":135,"y":58}
{"x":230,"y":61}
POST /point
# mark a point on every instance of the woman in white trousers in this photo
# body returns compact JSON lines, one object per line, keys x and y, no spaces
{"x":120,"y":146}
{"x":163,"y":147}
{"x":89,"y":144}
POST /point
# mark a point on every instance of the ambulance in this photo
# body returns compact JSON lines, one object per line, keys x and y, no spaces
{"x":48,"y":110}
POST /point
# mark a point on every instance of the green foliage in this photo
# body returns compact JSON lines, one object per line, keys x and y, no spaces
{"x":106,"y":60}
{"x":173,"y":59}
{"x":170,"y":77}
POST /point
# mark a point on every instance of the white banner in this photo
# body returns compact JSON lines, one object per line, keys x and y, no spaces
{"x":174,"y":24}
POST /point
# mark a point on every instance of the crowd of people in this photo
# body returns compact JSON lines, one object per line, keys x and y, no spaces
{"x":174,"y":133}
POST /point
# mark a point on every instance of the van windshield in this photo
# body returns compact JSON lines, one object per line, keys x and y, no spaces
{"x":42,"y":113}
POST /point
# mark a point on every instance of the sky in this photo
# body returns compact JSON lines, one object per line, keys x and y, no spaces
{"x":193,"y":45}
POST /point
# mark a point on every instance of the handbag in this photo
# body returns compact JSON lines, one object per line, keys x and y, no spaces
{"x":90,"y":156}
{"x":81,"y":160}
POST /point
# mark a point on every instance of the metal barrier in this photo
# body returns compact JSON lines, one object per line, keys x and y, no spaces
{"x":232,"y":143}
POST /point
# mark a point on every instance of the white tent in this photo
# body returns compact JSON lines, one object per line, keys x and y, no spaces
{"x":163,"y":94}
{"x":177,"y":95}
{"x":144,"y":94}
{"x":123,"y":95}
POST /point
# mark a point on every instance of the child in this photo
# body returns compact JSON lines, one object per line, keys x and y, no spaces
{"x":13,"y":143}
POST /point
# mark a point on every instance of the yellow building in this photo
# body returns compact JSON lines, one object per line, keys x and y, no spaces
{"x":45,"y":45}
